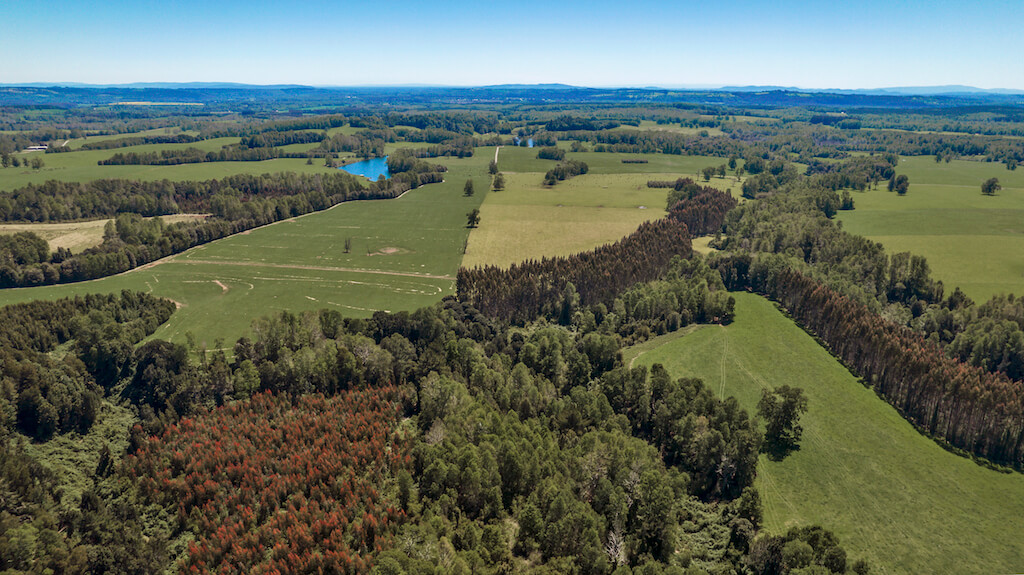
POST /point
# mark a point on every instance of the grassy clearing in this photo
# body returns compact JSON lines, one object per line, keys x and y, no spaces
{"x":73,"y":457}
{"x":405,"y":253}
{"x":702,"y":245}
{"x":971,"y":241}
{"x":528,"y":220}
{"x":607,"y":163}
{"x":77,"y":236}
{"x":892,"y":495}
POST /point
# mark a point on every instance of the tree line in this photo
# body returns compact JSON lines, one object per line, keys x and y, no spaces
{"x":564,"y":171}
{"x":532,"y":288}
{"x":197,"y":156}
{"x":130,"y":141}
{"x":795,"y":221}
{"x":973,"y":410}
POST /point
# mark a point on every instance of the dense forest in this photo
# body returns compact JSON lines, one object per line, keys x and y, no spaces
{"x":506,"y":427}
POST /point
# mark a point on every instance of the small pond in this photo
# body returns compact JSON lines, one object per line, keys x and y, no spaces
{"x":370,"y":169}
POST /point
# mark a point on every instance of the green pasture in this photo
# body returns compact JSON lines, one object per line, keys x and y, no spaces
{"x":528,"y":220}
{"x":892,"y":495}
{"x":609,"y":163}
{"x":972,"y":241}
{"x":405,"y":253}
{"x":81,"y":166}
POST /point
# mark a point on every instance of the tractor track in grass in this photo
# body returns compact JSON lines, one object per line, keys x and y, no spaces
{"x":314,"y":268}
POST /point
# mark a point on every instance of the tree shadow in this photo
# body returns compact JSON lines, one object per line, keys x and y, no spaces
{"x":778,"y":450}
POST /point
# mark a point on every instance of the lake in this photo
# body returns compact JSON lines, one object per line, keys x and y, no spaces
{"x":370,"y":169}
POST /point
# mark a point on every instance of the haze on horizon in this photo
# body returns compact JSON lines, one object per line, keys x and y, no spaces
{"x":871,"y":44}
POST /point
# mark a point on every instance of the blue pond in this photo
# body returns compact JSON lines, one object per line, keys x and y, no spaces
{"x":369,"y":169}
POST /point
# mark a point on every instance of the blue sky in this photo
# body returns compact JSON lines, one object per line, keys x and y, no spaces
{"x":865,"y":44}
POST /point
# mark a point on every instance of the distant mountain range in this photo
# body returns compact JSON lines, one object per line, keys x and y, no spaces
{"x":951,"y":89}
{"x":229,"y":96}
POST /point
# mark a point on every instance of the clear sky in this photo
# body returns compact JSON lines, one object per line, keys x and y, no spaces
{"x":821,"y":44}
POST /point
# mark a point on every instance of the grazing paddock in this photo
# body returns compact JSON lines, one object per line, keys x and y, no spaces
{"x":970,"y":240}
{"x":892,"y":495}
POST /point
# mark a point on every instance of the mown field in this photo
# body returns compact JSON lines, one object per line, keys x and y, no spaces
{"x":970,"y":240}
{"x":892,"y":495}
{"x":405,"y":253}
{"x":527,"y":220}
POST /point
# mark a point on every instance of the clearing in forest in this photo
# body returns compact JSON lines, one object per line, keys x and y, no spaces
{"x":887,"y":491}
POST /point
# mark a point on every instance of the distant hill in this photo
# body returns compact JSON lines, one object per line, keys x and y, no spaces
{"x":227,"y":96}
{"x":948,"y":90}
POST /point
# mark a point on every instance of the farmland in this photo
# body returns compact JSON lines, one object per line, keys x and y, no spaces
{"x":971,"y":241}
{"x":528,"y":220}
{"x":534,"y":444}
{"x":81,"y":165}
{"x":886,"y":490}
{"x":404,"y":254}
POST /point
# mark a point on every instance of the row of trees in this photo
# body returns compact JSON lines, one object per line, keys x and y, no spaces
{"x":526,"y":290}
{"x":130,"y":141}
{"x":794,"y":222}
{"x":197,"y":156}
{"x":979,"y":412}
{"x":701,"y":209}
{"x":565,"y":170}
{"x":56,"y":201}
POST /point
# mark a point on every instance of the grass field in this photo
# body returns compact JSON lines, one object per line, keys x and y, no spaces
{"x":81,"y":165}
{"x":528,"y":220}
{"x":972,"y":241}
{"x":76,"y":236}
{"x":405,"y":253}
{"x":892,"y":495}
